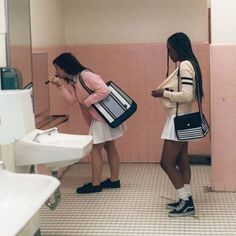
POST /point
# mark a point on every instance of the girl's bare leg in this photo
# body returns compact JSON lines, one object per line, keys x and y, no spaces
{"x":113,"y":159}
{"x":171,"y":151}
{"x":183,"y":164}
{"x":97,"y":163}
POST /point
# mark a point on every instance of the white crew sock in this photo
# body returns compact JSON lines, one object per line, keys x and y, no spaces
{"x":182,"y":193}
{"x":188,"y":189}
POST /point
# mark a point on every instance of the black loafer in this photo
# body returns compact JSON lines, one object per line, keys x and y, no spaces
{"x":89,"y":188}
{"x":110,"y":184}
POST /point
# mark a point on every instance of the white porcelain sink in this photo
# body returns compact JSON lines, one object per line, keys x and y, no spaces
{"x":54,"y":149}
{"x":21,"y":196}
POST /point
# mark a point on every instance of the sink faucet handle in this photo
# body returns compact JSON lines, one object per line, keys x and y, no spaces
{"x":47,"y":131}
{"x":54,"y":129}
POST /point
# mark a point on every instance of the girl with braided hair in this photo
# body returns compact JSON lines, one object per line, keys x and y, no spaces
{"x":175,"y":159}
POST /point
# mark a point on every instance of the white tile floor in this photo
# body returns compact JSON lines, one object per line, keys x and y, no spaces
{"x":138,"y":208}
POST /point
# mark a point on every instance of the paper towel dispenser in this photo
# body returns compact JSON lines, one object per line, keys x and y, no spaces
{"x":10,"y":78}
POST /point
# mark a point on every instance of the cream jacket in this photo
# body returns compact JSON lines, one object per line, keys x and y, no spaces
{"x":186,"y":95}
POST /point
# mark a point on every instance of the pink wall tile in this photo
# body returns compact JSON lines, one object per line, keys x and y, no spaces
{"x":223,"y":116}
{"x":20,"y":58}
{"x":137,"y":68}
{"x":40,"y":76}
{"x":57,"y":104}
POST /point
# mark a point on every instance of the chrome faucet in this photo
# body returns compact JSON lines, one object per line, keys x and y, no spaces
{"x":48,"y":132}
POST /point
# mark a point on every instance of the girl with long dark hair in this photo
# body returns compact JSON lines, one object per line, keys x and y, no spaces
{"x":175,"y":159}
{"x":68,"y":71}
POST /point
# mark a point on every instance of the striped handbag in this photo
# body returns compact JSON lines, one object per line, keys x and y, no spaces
{"x":116,"y":108}
{"x":193,"y":125}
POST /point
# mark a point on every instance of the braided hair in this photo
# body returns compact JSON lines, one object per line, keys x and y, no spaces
{"x":181,"y":43}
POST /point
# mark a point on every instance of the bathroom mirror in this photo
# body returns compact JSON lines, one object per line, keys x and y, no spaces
{"x":19,"y":50}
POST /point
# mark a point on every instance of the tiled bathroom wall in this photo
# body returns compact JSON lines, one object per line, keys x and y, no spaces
{"x":40,"y":90}
{"x":3,"y":50}
{"x":138,"y":69}
{"x":20,"y":58}
{"x":223,"y":116}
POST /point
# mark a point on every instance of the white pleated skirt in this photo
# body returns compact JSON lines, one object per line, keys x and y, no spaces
{"x":168,"y":132}
{"x":102,"y":132}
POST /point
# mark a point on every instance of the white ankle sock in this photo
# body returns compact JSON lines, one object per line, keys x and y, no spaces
{"x":188,"y":189}
{"x":182,"y":193}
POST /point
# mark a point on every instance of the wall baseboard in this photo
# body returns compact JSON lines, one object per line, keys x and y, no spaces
{"x":200,"y":160}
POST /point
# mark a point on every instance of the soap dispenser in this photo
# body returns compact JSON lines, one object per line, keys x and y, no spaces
{"x":10,"y":78}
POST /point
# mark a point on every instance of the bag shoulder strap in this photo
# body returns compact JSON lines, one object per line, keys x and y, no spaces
{"x":84,"y":85}
{"x":177,"y":104}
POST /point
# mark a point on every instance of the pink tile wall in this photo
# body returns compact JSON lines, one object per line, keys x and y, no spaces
{"x":40,"y":76}
{"x":223,"y":117}
{"x":57,"y":104}
{"x":20,"y":57}
{"x":137,"y":68}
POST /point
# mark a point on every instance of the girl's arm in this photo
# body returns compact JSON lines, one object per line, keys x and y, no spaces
{"x":96,"y":84}
{"x":187,"y":80}
{"x":68,"y":93}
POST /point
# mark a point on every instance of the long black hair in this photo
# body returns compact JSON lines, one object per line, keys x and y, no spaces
{"x":181,"y":43}
{"x":69,"y":63}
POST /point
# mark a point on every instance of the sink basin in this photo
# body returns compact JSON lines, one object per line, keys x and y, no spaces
{"x":21,"y":196}
{"x":54,"y":149}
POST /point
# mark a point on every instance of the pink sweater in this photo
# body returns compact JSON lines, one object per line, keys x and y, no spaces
{"x":93,"y":82}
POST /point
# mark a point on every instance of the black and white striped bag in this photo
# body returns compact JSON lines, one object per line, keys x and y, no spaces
{"x":116,"y":108}
{"x":192,"y":125}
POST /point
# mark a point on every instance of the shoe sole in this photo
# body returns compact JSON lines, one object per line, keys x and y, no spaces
{"x":190,"y":213}
{"x":109,"y":187}
{"x":89,"y":192}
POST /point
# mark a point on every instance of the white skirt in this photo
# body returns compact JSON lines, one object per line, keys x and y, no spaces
{"x":102,"y":132}
{"x":168,"y":132}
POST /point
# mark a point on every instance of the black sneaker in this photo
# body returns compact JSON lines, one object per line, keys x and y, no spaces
{"x":110,"y":184}
{"x":172,"y":206}
{"x":185,"y":208}
{"x":89,"y":188}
